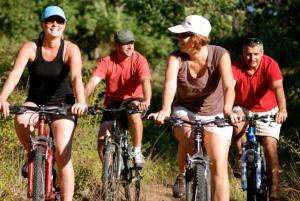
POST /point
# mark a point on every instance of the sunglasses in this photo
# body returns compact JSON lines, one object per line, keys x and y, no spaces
{"x":252,"y":41}
{"x":184,"y":35}
{"x":57,"y":19}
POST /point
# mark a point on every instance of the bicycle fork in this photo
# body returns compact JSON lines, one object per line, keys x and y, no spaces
{"x":251,"y":156}
{"x":48,"y":147}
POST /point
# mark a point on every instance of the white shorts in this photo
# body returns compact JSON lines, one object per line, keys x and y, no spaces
{"x":271,"y":128}
{"x":226,"y":131}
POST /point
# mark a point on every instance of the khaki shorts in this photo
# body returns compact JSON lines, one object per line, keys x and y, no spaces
{"x":226,"y":131}
{"x":271,"y":128}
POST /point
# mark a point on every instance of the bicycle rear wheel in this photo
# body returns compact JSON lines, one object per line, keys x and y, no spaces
{"x":39,"y":175}
{"x":133,"y":187}
{"x":110,"y":177}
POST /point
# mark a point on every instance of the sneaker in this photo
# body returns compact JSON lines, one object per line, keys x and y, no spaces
{"x":24,"y":170}
{"x":139,"y":159}
{"x":237,"y":169}
{"x":179,"y":186}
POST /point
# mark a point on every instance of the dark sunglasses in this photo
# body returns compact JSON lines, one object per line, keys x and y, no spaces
{"x":184,"y":35}
{"x":252,"y":41}
{"x":52,"y":19}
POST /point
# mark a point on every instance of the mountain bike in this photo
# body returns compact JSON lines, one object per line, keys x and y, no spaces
{"x":254,"y":175}
{"x":198,"y":175}
{"x":42,"y":177}
{"x":118,"y":167}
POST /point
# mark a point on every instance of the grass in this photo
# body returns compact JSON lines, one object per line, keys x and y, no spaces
{"x":159,"y":172}
{"x":159,"y":148}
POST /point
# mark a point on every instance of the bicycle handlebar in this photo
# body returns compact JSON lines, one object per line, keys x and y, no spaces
{"x":219,"y":122}
{"x":41,"y":109}
{"x":264,"y":118}
{"x":130,"y":109}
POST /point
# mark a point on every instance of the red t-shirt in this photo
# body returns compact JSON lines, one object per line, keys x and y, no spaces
{"x":254,"y":92}
{"x":123,"y":78}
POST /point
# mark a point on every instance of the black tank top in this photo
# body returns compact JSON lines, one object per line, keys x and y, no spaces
{"x":49,"y":81}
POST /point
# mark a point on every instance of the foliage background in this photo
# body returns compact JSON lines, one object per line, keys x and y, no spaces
{"x":91,"y":24}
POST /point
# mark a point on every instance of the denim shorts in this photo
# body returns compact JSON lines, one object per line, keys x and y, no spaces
{"x":270,"y":128}
{"x":179,"y":111}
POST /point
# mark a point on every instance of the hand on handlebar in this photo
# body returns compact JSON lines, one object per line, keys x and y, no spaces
{"x":142,"y":106}
{"x":4,"y":107}
{"x":234,"y":117}
{"x":281,"y":116}
{"x":79,"y":109}
{"x":159,"y":117}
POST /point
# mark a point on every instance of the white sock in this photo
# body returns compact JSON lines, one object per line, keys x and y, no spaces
{"x":137,"y":150}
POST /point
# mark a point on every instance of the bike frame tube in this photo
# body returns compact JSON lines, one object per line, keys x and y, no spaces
{"x":251,"y":146}
{"x":42,"y":139}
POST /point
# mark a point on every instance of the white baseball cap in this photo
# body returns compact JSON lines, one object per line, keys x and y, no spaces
{"x":193,"y":23}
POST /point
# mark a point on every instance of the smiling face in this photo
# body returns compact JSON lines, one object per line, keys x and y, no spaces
{"x":253,"y":55}
{"x":125,"y":50}
{"x":54,"y":26}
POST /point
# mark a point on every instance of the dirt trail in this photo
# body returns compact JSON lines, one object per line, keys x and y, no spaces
{"x":158,"y":192}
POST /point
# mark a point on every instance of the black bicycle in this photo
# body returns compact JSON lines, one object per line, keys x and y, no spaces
{"x":198,"y":175}
{"x":42,"y":177}
{"x":254,"y":175}
{"x":118,"y":167}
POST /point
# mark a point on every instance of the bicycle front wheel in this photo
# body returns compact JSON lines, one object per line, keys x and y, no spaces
{"x":251,"y":181}
{"x":198,"y":183}
{"x":39,"y":175}
{"x":110,"y":181}
{"x":133,"y":187}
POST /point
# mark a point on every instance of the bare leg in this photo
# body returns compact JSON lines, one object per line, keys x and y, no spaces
{"x":136,"y":129}
{"x":183,"y":135}
{"x":24,"y":125}
{"x":217,"y":148}
{"x":270,"y":151}
{"x":104,"y":131}
{"x":63,"y":135}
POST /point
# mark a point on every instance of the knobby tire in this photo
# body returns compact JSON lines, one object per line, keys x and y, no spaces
{"x":133,"y":187}
{"x":198,"y":183}
{"x":202,"y":183}
{"x":39,"y":175}
{"x":251,"y":177}
{"x":110,"y":181}
{"x":252,"y":193}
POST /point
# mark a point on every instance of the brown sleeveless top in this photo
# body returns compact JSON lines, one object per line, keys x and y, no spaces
{"x":201,"y":95}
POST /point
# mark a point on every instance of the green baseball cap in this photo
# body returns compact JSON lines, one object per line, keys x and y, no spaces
{"x":124,"y":37}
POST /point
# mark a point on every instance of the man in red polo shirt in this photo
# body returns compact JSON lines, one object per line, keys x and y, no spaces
{"x":259,"y":90}
{"x":127,"y":76}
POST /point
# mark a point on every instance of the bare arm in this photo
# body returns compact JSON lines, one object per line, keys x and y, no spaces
{"x":147,"y":91}
{"x":228,"y":87}
{"x":170,"y":87}
{"x":26,"y":52}
{"x":90,"y":86}
{"x":281,"y":102}
{"x":74,"y":60}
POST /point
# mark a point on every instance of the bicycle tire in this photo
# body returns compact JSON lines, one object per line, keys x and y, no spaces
{"x":133,"y":188}
{"x":39,"y":175}
{"x":201,"y":193}
{"x":198,"y":183}
{"x":251,"y":178}
{"x":110,"y":181}
{"x":189,"y":179}
{"x":263,"y":193}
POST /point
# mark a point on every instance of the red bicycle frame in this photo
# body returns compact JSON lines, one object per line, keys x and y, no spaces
{"x":44,"y":140}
